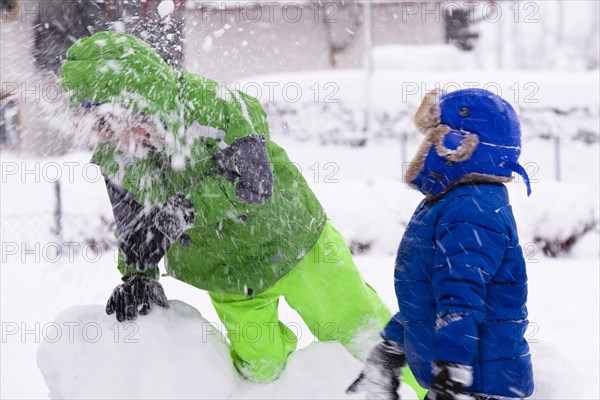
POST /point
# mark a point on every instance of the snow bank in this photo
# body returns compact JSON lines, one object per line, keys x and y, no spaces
{"x":170,"y":353}
{"x":437,"y":57}
{"x":176,"y":354}
{"x":554,"y":376}
{"x":555,"y":226}
{"x":330,"y":106}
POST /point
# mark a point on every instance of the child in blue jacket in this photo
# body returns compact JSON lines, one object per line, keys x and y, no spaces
{"x":460,"y":274}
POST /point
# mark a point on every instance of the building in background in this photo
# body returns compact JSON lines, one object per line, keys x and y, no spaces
{"x":241,"y":39}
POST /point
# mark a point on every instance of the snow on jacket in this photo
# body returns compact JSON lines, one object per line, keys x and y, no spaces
{"x":235,"y":246}
{"x":461,"y":284}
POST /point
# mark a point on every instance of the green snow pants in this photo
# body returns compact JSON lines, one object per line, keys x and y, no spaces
{"x":326,"y":290}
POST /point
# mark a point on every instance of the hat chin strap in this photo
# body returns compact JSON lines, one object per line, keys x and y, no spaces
{"x":517,"y":168}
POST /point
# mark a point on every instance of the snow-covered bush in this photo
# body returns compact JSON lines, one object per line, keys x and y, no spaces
{"x":339,"y":123}
{"x":556,"y":227}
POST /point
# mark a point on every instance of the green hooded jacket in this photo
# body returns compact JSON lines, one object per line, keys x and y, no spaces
{"x":234,"y":247}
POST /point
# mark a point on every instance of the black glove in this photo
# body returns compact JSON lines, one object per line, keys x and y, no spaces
{"x":450,"y":382}
{"x":246,"y":162}
{"x":381,"y":376}
{"x":151,"y":234}
{"x":135,"y":291}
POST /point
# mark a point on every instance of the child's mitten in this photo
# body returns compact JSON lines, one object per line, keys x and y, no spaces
{"x":381,"y":376}
{"x":450,"y":382}
{"x":135,"y":295}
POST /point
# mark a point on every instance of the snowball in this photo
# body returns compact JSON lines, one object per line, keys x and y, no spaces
{"x":165,"y":8}
{"x":207,"y":44}
{"x":119,"y":26}
{"x":178,"y":162}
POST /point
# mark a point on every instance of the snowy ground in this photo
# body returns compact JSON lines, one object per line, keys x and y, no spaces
{"x":563,"y":292}
{"x":362,"y":190}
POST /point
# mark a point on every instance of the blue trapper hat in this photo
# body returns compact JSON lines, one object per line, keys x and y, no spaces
{"x":477,"y":137}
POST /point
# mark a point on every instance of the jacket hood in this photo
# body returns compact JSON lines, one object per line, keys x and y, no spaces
{"x":470,"y":135}
{"x":120,"y":69}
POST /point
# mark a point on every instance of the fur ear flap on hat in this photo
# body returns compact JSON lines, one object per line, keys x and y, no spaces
{"x":427,"y":118}
{"x":428,"y":115}
{"x":428,"y":122}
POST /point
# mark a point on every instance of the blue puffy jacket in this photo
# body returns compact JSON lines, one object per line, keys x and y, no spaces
{"x":462,"y":287}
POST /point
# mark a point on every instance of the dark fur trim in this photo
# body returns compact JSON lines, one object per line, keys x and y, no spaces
{"x":473,"y":177}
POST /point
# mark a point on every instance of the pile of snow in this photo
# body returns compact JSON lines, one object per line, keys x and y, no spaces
{"x":156,"y":357}
{"x":438,"y":57}
{"x":173,"y":353}
{"x":551,"y":372}
{"x":177,"y":354}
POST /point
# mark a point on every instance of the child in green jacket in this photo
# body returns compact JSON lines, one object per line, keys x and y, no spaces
{"x":193,"y":177}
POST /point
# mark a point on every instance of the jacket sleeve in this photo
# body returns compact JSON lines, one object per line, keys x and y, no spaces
{"x":394,"y":331}
{"x":470,"y":245}
{"x":125,"y":211}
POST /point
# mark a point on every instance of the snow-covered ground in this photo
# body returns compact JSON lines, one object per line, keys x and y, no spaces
{"x":363,"y":193}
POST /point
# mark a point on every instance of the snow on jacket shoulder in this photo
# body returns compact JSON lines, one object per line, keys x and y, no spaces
{"x":461,"y":285}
